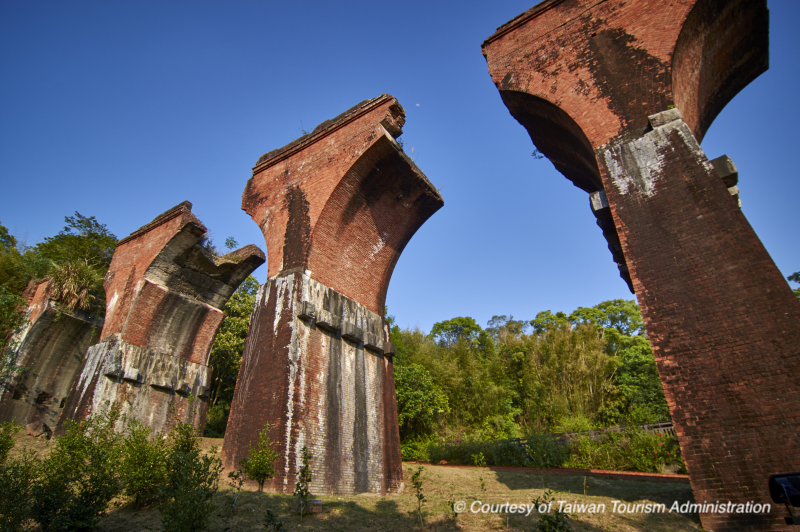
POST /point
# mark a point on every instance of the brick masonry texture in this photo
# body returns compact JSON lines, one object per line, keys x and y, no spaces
{"x":619,"y":95}
{"x":165,"y":294}
{"x":337,"y":207}
{"x":50,"y":344}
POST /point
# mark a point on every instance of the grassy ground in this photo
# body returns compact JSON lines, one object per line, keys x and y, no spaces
{"x":441,"y":484}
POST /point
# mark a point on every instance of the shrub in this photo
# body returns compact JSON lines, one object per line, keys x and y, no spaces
{"x":192,"y":480}
{"x":143,"y":466}
{"x":547,"y":452}
{"x":73,"y":283}
{"x":555,"y":522}
{"x":78,"y":478}
{"x":16,"y":481}
{"x":544,"y":450}
{"x":629,"y":450}
{"x":7,"y":431}
{"x":260,"y":459}
{"x":416,"y":481}
{"x":271,"y":522}
{"x":303,"y":481}
{"x":216,"y":421}
{"x":416,"y":450}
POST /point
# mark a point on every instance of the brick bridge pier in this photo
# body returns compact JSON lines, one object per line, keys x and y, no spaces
{"x":337,"y":207}
{"x":618,"y":96}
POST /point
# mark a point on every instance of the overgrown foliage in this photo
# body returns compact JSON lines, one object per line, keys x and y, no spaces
{"x":629,"y":450}
{"x":419,"y":402}
{"x":7,"y":431}
{"x":72,"y":284}
{"x":226,"y":355}
{"x":192,"y":479}
{"x":795,"y":278}
{"x":593,"y":364}
{"x":76,"y":260}
{"x":17,"y":476}
{"x":143,"y":464}
{"x":79,"y":477}
{"x":71,"y":488}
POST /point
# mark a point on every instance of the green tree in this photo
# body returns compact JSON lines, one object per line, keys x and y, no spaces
{"x":192,"y":481}
{"x":449,"y":332}
{"x":547,"y":318}
{"x":419,"y":401}
{"x":79,"y":478}
{"x":83,"y":239}
{"x":260,"y":462}
{"x":621,"y":314}
{"x":795,"y":278}
{"x":226,"y":355}
{"x":7,"y":241}
{"x":231,"y":243}
{"x":143,"y":466}
{"x":304,"y":478}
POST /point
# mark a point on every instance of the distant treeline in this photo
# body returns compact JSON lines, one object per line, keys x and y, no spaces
{"x":556,"y":373}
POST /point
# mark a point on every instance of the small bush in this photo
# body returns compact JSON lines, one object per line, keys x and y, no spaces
{"x":143,"y":466}
{"x":259,"y":464}
{"x":416,"y":451}
{"x":304,"y":479}
{"x":544,"y":450}
{"x":272,"y":523}
{"x":550,"y":522}
{"x":16,"y":482}
{"x":216,"y":421}
{"x":191,"y":482}
{"x":79,"y":477}
{"x":547,"y":452}
{"x":7,"y":431}
{"x":629,"y":450}
{"x":73,"y":283}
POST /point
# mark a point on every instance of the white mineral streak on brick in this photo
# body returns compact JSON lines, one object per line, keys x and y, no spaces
{"x":378,"y":246}
{"x":640,"y":162}
{"x":94,"y":356}
{"x":374,"y":414}
{"x":284,"y":287}
{"x":150,"y":406}
{"x":112,"y":303}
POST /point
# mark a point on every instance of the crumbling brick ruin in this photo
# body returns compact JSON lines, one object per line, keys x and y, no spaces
{"x":337,"y":207}
{"x":164,"y":294}
{"x":618,"y":96}
{"x":50,"y":347}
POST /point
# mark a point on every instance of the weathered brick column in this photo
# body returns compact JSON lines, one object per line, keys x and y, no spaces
{"x":164,"y":294}
{"x":618,"y":96}
{"x":50,"y":345}
{"x":337,"y":207}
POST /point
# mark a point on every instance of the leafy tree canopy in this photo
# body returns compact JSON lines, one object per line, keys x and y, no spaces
{"x":419,"y":401}
{"x":502,"y":327}
{"x":83,"y":239}
{"x":452,"y":331}
{"x":795,"y":278}
{"x":623,"y":315}
{"x":7,"y":241}
{"x":546,"y":319}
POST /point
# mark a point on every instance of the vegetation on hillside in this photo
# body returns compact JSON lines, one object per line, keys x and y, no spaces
{"x":75,"y":260}
{"x":556,"y":373}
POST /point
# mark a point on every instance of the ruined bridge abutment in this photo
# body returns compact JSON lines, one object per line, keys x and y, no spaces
{"x":337,"y":207}
{"x":618,"y":96}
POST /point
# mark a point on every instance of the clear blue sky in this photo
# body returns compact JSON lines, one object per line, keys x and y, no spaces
{"x":121,"y":110}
